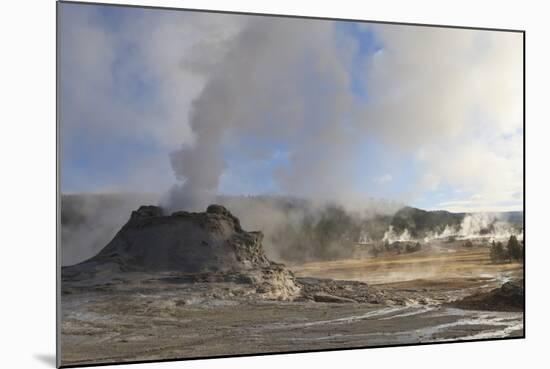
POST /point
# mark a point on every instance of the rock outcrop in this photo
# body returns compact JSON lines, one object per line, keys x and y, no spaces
{"x":199,"y":244}
{"x":508,"y":297}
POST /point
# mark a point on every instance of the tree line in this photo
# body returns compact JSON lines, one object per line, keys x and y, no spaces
{"x":513,"y":251}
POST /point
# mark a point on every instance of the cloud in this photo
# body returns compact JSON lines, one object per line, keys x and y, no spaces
{"x":385,"y":178}
{"x":453,"y":98}
{"x":192,"y":90}
{"x":128,"y":77}
{"x":450,"y":97}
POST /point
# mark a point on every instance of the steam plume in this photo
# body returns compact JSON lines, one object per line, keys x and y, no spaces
{"x":284,"y":83}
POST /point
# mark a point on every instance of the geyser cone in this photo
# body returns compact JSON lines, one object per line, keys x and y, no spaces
{"x":210,"y":244}
{"x":186,"y":242}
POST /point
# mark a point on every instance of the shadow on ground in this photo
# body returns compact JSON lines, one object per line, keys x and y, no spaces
{"x":48,"y":359}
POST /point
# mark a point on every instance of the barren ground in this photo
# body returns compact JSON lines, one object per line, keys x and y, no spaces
{"x":148,"y":318}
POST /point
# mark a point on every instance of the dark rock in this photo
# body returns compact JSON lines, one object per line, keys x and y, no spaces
{"x":217,"y":209}
{"x":404,"y":246}
{"x":509,"y":297}
{"x":324,"y":297}
{"x":322,"y":290}
{"x":221,"y":210}
{"x":146,"y":211}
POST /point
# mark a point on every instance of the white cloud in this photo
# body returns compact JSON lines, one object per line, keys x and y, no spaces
{"x":452,"y":98}
{"x":102,"y":65}
{"x":385,"y":178}
{"x":449,"y":98}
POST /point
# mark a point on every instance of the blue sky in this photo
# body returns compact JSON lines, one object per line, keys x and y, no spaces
{"x":127,"y":97}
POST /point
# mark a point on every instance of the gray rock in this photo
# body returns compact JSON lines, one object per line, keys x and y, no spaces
{"x":508,"y":297}
{"x":208,"y":246}
{"x":184,"y":242}
{"x":324,"y":297}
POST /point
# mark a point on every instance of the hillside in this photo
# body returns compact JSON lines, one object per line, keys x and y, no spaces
{"x":421,"y":222}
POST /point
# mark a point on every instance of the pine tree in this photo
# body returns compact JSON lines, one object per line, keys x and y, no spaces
{"x":514,"y":249}
{"x":497,"y":252}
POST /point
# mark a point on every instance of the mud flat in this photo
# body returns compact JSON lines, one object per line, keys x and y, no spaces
{"x":189,"y":321}
{"x":171,"y":315}
{"x":109,"y":330}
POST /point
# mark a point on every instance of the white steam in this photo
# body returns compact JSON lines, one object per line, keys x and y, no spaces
{"x":487,"y":226}
{"x":282,"y":83}
{"x":391,"y":236}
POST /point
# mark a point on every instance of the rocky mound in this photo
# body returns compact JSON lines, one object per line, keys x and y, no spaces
{"x":509,"y":297}
{"x":185,"y":242}
{"x":212,"y":243}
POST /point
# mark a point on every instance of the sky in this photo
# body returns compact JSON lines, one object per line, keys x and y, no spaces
{"x":195,"y":104}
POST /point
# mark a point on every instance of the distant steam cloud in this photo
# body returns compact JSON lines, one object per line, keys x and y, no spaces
{"x":391,"y":236}
{"x":491,"y":226}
